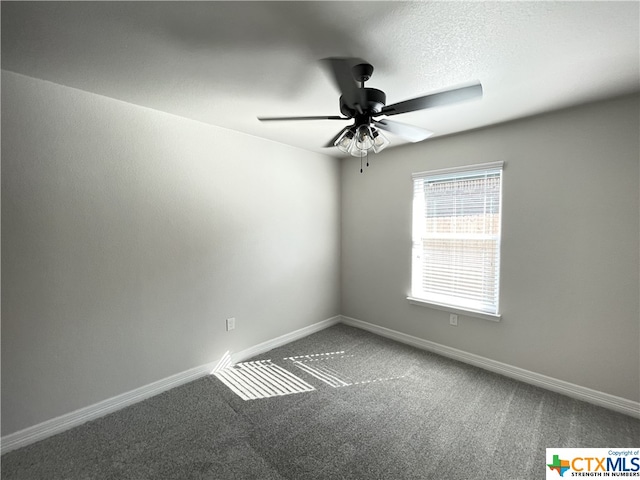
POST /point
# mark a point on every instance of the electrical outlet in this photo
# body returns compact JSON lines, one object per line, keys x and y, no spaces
{"x":231,"y":324}
{"x":453,"y":319}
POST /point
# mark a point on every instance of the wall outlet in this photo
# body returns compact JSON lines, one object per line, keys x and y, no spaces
{"x":231,"y":324}
{"x":453,"y":319}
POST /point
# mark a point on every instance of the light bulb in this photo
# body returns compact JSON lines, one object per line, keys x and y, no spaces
{"x":364,"y":137}
{"x":380,"y":142}
{"x":345,"y":141}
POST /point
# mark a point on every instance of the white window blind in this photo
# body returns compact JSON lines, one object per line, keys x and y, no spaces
{"x":456,"y":237}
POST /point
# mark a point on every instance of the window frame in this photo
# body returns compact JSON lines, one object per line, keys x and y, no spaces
{"x":456,"y":308}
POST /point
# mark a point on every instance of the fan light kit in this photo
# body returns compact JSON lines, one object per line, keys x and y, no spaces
{"x":358,"y":141}
{"x":364,"y":104}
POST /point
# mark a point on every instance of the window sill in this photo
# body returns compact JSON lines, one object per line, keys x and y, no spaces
{"x":459,"y":311}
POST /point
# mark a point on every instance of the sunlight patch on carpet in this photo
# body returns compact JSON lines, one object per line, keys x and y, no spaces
{"x":316,"y":364}
{"x":261,"y":379}
{"x":313,"y":365}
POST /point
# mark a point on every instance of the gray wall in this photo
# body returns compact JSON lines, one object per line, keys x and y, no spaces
{"x":129,"y":235}
{"x":570,"y":244}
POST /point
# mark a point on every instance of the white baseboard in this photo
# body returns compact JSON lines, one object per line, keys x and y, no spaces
{"x":612,"y":402}
{"x":283,"y":339}
{"x":67,"y":421}
{"x":73,"y":419}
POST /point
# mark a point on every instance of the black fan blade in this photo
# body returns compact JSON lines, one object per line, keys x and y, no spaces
{"x":331,"y":143}
{"x":329,"y":117}
{"x":408,"y":132}
{"x":433,"y":100}
{"x":341,"y":69}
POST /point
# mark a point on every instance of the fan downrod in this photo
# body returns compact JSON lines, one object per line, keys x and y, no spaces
{"x":362,"y":72}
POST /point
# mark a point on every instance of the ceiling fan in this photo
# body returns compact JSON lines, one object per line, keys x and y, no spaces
{"x":364,"y":105}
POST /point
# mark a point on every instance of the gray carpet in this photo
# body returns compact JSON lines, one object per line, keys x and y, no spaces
{"x":378,"y":410}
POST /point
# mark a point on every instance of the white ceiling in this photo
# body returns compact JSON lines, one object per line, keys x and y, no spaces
{"x":225,"y":63}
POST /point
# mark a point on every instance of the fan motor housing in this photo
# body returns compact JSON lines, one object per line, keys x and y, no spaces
{"x":374,"y":100}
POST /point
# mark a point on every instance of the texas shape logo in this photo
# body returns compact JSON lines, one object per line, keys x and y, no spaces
{"x":560,"y":466}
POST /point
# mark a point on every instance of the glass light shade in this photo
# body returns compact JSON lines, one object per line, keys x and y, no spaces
{"x":364,"y":137}
{"x":380,"y":142}
{"x":359,"y":141}
{"x":345,"y":141}
{"x":357,"y":152}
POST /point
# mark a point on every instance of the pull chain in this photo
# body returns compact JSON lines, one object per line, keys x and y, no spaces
{"x":367,"y":156}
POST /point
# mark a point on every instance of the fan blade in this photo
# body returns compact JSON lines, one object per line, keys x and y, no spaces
{"x":342,"y":74}
{"x":331,"y":143}
{"x":408,"y":132}
{"x":433,"y":100}
{"x":329,"y":117}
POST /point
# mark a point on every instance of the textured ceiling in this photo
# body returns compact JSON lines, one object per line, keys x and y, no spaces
{"x":225,"y":63}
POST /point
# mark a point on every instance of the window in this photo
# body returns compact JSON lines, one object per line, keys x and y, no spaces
{"x":456,"y":238}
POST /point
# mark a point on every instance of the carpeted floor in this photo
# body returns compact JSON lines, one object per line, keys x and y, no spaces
{"x":371,"y":409}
